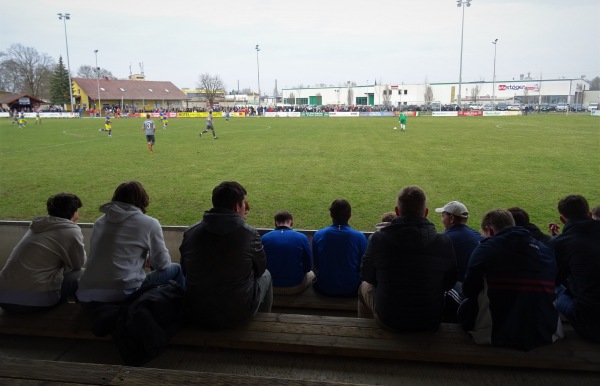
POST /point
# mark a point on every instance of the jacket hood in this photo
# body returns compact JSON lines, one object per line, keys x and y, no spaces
{"x":517,"y":241}
{"x":587,"y":226}
{"x":411,"y":234}
{"x":222,"y":221}
{"x":118,"y":211}
{"x":46,"y":223}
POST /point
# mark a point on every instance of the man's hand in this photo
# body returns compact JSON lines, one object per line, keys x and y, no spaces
{"x":553,"y":229}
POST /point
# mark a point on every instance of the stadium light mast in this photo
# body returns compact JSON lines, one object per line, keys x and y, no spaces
{"x":98,"y":100}
{"x":64,"y":17}
{"x":461,"y":3}
{"x":494,"y":77}
{"x":258,"y":71}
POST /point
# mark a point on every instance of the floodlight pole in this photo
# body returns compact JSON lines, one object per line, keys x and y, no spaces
{"x":64,"y":17}
{"x":461,"y":3}
{"x":258,"y":72}
{"x":98,"y":100}
{"x":494,"y":77}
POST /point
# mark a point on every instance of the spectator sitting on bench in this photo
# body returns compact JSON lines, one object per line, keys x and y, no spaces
{"x":289,"y":258}
{"x":464,"y":239}
{"x":43,"y":269}
{"x":124,"y":240}
{"x":224,"y":263}
{"x":509,"y":287}
{"x":337,"y":250}
{"x":407,"y":268}
{"x":577,"y":251}
{"x":521,"y":218}
{"x":386,"y":219}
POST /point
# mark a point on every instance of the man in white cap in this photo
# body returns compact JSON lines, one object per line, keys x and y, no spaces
{"x":464,"y":239}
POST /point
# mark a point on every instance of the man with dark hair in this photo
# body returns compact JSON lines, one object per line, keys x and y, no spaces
{"x":149,"y":127}
{"x":224,"y":264}
{"x":209,"y":125}
{"x":337,"y":250}
{"x":577,"y":252}
{"x":509,"y":287}
{"x":521,"y":218}
{"x":407,"y":268}
{"x":289,"y":258}
{"x":43,"y":269}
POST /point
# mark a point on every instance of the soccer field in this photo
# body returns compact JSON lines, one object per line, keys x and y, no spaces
{"x":303,"y":164}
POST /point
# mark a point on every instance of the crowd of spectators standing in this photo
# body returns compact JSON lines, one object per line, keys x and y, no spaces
{"x":510,"y":284}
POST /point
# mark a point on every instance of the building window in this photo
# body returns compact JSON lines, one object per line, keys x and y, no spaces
{"x":405,"y":92}
{"x":122,"y":89}
{"x":150,"y":90}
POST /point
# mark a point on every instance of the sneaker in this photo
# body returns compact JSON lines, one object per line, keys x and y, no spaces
{"x":201,"y":134}
{"x":151,"y":152}
{"x":110,"y":135}
{"x":214,"y":137}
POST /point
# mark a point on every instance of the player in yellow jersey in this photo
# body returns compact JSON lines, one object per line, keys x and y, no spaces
{"x":108,"y":126}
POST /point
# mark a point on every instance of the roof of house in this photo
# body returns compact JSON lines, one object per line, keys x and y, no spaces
{"x":9,"y":99}
{"x":130,"y":89}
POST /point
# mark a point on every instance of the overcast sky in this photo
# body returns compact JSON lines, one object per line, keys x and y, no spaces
{"x":311,"y":42}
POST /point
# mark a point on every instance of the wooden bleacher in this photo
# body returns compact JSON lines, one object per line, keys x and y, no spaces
{"x":310,"y":302}
{"x":17,"y":371}
{"x":333,"y":336}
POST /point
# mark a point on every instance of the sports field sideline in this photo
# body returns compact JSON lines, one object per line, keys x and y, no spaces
{"x":303,"y":164}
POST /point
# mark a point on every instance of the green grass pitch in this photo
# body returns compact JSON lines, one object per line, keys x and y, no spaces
{"x":303,"y":164}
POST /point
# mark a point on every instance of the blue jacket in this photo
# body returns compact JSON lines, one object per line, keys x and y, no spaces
{"x":510,"y":281}
{"x":288,"y":256}
{"x":337,"y":250}
{"x":464,"y":241}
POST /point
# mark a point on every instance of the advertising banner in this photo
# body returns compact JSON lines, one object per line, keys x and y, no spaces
{"x":283,"y":114}
{"x":379,"y":114}
{"x":201,"y":114}
{"x":344,"y":114}
{"x":444,"y":113}
{"x":471,"y":113}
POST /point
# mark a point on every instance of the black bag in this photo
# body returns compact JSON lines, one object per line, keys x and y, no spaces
{"x":147,"y":320}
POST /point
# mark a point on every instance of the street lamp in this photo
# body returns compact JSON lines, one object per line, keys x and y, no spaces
{"x":98,"y":100}
{"x":461,"y":3}
{"x":258,"y":72}
{"x":494,"y":78}
{"x":64,"y":17}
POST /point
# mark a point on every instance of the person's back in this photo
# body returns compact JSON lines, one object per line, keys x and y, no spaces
{"x":464,"y":239}
{"x":44,"y":266}
{"x":509,"y":288}
{"x":288,"y":253}
{"x":337,"y":250}
{"x":223,"y":261}
{"x":409,"y":266}
{"x":577,"y":251}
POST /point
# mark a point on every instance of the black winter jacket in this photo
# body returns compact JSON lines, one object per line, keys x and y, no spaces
{"x":411,"y":266}
{"x":221,"y":257}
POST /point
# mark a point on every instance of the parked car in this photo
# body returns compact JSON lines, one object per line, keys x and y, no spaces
{"x":488,"y":107}
{"x":562,"y":107}
{"x":514,"y":107}
{"x":502,"y":106}
{"x":547,"y":107}
{"x":592,"y":106}
{"x":577,"y":107}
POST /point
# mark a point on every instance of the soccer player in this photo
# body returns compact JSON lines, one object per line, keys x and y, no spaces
{"x":402,"y":119}
{"x":38,"y":119}
{"x":149,"y":127}
{"x":108,"y":126}
{"x":227,"y":112}
{"x":22,"y":120}
{"x":209,"y":125}
{"x":15,"y":116}
{"x":164,"y":120}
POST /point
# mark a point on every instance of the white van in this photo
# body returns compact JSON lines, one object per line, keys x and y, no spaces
{"x":592,"y":106}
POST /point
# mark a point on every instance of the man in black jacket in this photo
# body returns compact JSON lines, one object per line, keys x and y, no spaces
{"x":407,"y":268}
{"x":577,"y":252}
{"x":224,"y":263}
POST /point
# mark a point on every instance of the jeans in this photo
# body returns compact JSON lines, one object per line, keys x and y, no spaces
{"x":265,"y":293}
{"x":585,"y":323}
{"x":171,"y":272}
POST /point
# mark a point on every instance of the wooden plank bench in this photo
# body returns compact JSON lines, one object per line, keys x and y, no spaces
{"x":334,"y":336}
{"x":312,"y":302}
{"x":17,"y":371}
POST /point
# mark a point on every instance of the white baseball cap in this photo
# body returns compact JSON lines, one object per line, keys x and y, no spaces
{"x":454,"y":208}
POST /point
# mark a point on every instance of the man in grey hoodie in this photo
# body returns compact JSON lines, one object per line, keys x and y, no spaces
{"x":43,"y":269}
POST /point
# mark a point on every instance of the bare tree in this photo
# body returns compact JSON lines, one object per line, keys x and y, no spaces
{"x":475,"y":92}
{"x":89,"y":72}
{"x":211,"y":87}
{"x":428,"y":94}
{"x":23,"y":69}
{"x":387,"y":95}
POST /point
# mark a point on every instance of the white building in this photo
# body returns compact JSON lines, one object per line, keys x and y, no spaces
{"x":525,"y":90}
